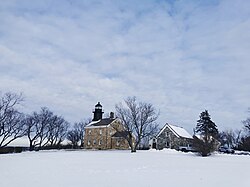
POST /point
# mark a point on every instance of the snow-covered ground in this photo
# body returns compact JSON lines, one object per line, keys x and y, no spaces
{"x":121,"y":168}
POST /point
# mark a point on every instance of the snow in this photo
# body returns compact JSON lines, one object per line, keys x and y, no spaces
{"x":122,"y":168}
{"x":92,"y":122}
{"x":180,"y":131}
{"x":23,"y":142}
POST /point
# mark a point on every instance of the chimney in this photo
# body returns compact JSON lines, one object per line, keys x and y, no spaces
{"x":112,"y":115}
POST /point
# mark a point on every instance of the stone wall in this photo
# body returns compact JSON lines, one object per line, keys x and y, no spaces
{"x":101,"y":137}
{"x":119,"y":143}
{"x":97,"y":138}
{"x":167,"y":139}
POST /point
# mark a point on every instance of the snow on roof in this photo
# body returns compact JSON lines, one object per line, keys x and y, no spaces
{"x":92,"y":122}
{"x":178,"y":131}
{"x":101,"y":123}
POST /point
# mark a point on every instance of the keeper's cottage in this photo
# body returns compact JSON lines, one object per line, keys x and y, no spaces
{"x":104,"y":133}
{"x":173,"y":137}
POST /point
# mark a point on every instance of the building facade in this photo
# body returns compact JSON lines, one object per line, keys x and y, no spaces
{"x":173,"y":137}
{"x":104,"y":133}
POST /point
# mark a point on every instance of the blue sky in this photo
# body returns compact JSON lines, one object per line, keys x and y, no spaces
{"x":182,"y":56}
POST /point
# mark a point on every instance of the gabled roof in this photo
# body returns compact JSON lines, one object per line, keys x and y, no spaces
{"x":178,"y":131}
{"x":101,"y":122}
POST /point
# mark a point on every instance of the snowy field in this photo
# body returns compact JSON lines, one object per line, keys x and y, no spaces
{"x":167,"y":168}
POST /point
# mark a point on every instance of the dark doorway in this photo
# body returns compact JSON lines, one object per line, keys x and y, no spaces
{"x":154,"y":145}
{"x":167,"y":144}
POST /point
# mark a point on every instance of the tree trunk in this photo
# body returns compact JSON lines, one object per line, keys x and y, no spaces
{"x":32,"y":147}
{"x":133,"y":150}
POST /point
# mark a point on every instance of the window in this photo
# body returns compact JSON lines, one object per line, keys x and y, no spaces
{"x":117,"y":142}
{"x":94,"y":142}
{"x":89,"y":142}
{"x":100,"y":131}
{"x":100,"y":142}
{"x":89,"y":132}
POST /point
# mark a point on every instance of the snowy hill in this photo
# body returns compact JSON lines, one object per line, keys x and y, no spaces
{"x":121,"y":168}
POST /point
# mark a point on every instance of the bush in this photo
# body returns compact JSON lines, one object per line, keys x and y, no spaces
{"x":5,"y":150}
{"x":205,"y":148}
{"x":49,"y":147}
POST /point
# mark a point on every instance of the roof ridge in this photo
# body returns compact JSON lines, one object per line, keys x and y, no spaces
{"x":177,"y":130}
{"x":174,"y":130}
{"x":102,"y":122}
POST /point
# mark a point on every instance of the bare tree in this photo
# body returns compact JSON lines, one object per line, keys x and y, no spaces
{"x":11,"y":120}
{"x":76,"y":135}
{"x":37,"y":127}
{"x":139,"y":120}
{"x":32,"y":131}
{"x":45,"y":128}
{"x":57,"y":130}
{"x":246,"y":123}
{"x":237,"y":138}
{"x":230,"y":138}
{"x":80,"y":126}
{"x":244,"y":142}
{"x":43,"y":120}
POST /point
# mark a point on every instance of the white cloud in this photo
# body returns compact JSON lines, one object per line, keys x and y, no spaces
{"x":182,"y":57}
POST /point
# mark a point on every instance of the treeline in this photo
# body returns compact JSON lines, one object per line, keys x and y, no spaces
{"x":207,"y":137}
{"x":238,"y":139}
{"x":43,"y":129}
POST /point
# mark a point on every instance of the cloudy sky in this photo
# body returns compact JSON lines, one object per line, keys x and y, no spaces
{"x":181,"y":56}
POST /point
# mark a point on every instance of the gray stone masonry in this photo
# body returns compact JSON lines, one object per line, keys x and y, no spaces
{"x":167,"y":139}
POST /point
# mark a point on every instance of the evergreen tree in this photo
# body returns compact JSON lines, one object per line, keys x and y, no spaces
{"x":205,"y":126}
{"x":205,"y":142}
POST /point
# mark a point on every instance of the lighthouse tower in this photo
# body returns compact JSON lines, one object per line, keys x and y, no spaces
{"x":97,"y":112}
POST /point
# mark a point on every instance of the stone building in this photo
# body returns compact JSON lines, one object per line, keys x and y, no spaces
{"x":174,"y":137}
{"x":104,"y":133}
